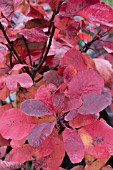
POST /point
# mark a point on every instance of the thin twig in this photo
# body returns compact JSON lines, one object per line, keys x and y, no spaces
{"x":46,"y":50}
{"x":54,"y":68}
{"x":14,"y":51}
{"x":27,"y":50}
{"x":10,"y":44}
{"x":87,"y":46}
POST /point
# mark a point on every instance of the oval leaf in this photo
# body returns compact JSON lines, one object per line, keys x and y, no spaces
{"x":34,"y":35}
{"x":23,"y":79}
{"x":73,"y":145}
{"x":34,"y":108}
{"x":85,"y":82}
{"x":39,"y":133}
{"x":94,"y":103}
{"x":100,"y":13}
{"x":14,"y":124}
{"x":5,"y":165}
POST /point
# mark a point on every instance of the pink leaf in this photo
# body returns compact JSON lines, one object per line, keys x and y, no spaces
{"x":3,"y":151}
{"x":85,"y":82}
{"x":23,"y":79}
{"x":100,"y":13}
{"x":73,"y":145}
{"x":4,"y":142}
{"x":58,"y":100}
{"x":19,"y":66}
{"x":54,"y":3}
{"x":5,"y":165}
{"x":52,"y":77}
{"x":21,"y":154}
{"x":54,"y":160}
{"x":82,"y":120}
{"x":72,"y":57}
{"x":44,"y":95}
{"x":14,"y":124}
{"x":71,"y":115}
{"x":105,"y":69}
{"x":34,"y":108}
{"x":8,"y":7}
{"x":97,"y":138}
{"x":34,"y":35}
{"x":69,"y":73}
{"x":94,"y":103}
{"x":39,"y":133}
{"x":73,"y":6}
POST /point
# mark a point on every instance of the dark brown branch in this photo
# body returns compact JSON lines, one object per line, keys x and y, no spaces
{"x":27,"y":50}
{"x":14,"y":51}
{"x":46,"y":50}
{"x":87,"y":46}
{"x":97,"y":37}
{"x":10,"y":44}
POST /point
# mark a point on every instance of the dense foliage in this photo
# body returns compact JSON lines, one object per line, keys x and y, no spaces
{"x":56,"y":78}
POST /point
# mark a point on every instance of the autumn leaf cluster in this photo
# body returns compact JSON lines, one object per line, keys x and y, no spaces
{"x":56,"y":78}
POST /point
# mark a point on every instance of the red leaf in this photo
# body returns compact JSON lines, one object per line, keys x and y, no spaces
{"x":17,"y":143}
{"x":72,"y":57}
{"x":71,"y":115}
{"x":99,"y":13}
{"x":21,"y":154}
{"x":3,"y":151}
{"x":54,"y":160}
{"x":69,"y":73}
{"x":44,"y":95}
{"x":37,"y":22}
{"x":8,"y":7}
{"x":19,"y":66}
{"x":23,"y":79}
{"x":61,"y":22}
{"x":2,"y":54}
{"x":94,"y":103}
{"x":26,"y":152}
{"x":97,"y":138}
{"x":54,"y":4}
{"x":4,"y":142}
{"x":36,"y":11}
{"x":14,"y":124}
{"x":82,"y":120}
{"x":34,"y":108}
{"x":52,"y":77}
{"x":34,"y":35}
{"x":5,"y":108}
{"x":58,"y":100}
{"x":46,"y":147}
{"x":73,"y":6}
{"x":39,"y":133}
{"x":83,"y":36}
{"x":85,"y":82}
{"x":105,"y":69}
{"x":5,"y":165}
{"x":73,"y":145}
{"x":73,"y":104}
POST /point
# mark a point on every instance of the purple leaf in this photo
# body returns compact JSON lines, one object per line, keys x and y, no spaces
{"x":39,"y":133}
{"x":93,"y":103}
{"x":34,"y":108}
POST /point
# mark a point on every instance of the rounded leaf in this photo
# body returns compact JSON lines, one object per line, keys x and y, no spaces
{"x":73,"y":145}
{"x":34,"y":107}
{"x":39,"y":133}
